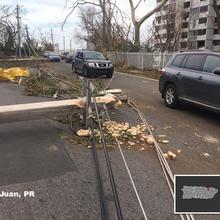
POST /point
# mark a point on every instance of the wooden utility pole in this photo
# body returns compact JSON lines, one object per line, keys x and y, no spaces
{"x":28,"y":40}
{"x":18,"y":49}
{"x":52,"y":39}
{"x":64,"y":43}
{"x":70,"y":45}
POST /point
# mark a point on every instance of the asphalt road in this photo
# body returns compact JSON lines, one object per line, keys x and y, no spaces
{"x":35,"y":156}
{"x":188,"y":128}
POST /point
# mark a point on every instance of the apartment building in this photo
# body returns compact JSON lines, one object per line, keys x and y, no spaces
{"x":187,"y":24}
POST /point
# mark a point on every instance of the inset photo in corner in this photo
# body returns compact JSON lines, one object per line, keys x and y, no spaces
{"x":197,"y":194}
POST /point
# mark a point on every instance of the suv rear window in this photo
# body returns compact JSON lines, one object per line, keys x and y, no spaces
{"x":211,"y":63}
{"x":178,"y":60}
{"x":195,"y":62}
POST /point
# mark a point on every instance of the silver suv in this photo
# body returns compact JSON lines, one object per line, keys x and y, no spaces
{"x":192,"y":77}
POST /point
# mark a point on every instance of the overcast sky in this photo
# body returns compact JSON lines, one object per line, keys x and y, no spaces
{"x":46,"y":14}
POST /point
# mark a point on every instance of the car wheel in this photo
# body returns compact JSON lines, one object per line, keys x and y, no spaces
{"x":170,"y":96}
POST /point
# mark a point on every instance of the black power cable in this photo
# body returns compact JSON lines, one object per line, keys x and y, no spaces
{"x":104,"y":210}
{"x":110,"y":172}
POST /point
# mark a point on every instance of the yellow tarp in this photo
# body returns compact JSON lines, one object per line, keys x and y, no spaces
{"x":13,"y":73}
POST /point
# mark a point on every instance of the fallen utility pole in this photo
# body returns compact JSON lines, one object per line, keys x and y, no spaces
{"x":32,"y":111}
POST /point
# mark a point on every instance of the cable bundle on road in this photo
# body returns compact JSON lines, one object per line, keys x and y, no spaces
{"x":163,"y":162}
{"x":90,"y":125}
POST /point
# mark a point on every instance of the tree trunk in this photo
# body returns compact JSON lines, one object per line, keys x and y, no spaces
{"x":137,"y":35}
{"x":104,"y":25}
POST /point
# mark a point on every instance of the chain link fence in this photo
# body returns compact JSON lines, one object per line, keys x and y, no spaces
{"x":140,"y":60}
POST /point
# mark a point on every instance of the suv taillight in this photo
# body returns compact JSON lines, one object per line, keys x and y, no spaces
{"x":162,"y":71}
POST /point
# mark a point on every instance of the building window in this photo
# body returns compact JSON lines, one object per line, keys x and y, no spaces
{"x":185,"y":25}
{"x":203,"y":20}
{"x":201,"y":32}
{"x":204,"y":8}
{"x":184,"y":35}
{"x":185,"y":16}
{"x":216,"y":31}
{"x":186,"y":4}
{"x":183,"y":45}
{"x":216,"y":42}
{"x":201,"y":44}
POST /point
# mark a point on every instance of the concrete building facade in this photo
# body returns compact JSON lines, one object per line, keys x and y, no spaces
{"x":193,"y":25}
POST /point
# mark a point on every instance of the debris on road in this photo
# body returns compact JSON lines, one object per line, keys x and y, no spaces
{"x":13,"y":73}
{"x":167,"y":127}
{"x":166,"y":155}
{"x":150,"y":139}
{"x":130,"y":136}
{"x":165,"y":141}
{"x":83,"y":133}
{"x":206,"y":155}
{"x":161,"y":136}
{"x":43,"y":83}
{"x":170,"y":155}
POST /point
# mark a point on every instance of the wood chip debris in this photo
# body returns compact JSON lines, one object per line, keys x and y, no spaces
{"x":83,"y":133}
{"x":165,"y":142}
{"x":166,"y":155}
{"x":161,"y":136}
{"x":170,"y":155}
{"x":128,"y":135}
{"x":206,"y":155}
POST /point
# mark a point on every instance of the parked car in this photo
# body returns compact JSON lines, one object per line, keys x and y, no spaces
{"x":53,"y":57}
{"x":64,"y":54}
{"x":46,"y":54}
{"x":69,"y":58}
{"x":92,"y":64}
{"x":192,"y":77}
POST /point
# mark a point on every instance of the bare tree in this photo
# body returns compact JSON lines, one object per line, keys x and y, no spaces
{"x":101,"y":5}
{"x":172,"y":24}
{"x":137,"y":23}
{"x":99,"y":21}
{"x":91,"y":24}
{"x":7,"y":29}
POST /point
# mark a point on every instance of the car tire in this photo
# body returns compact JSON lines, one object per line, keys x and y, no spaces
{"x":171,"y":96}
